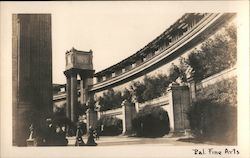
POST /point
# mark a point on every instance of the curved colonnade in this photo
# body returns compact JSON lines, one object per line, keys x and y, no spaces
{"x":196,"y":34}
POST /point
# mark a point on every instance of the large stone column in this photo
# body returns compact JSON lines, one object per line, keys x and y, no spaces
{"x":68,"y":97}
{"x":74,"y":97}
{"x":31,"y":73}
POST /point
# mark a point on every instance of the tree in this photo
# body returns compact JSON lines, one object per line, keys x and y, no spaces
{"x":138,"y":88}
{"x":126,"y":95}
{"x":110,"y":100}
{"x":216,"y":54}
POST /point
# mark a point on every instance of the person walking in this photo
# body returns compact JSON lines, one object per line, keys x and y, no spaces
{"x":91,"y":140}
{"x":79,"y":134}
{"x":97,"y":133}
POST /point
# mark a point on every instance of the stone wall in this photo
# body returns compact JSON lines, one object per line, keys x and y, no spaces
{"x":176,"y":102}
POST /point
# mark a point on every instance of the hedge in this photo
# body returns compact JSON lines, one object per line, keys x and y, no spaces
{"x":210,"y":120}
{"x":151,"y":122}
{"x":109,"y":126}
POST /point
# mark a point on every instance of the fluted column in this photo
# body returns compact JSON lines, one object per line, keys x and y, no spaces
{"x":84,"y":90}
{"x":73,"y":98}
{"x":68,"y":97}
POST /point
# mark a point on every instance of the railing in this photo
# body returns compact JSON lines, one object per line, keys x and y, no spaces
{"x":59,"y":96}
{"x":112,"y":112}
{"x":161,"y":101}
{"x":226,"y":74}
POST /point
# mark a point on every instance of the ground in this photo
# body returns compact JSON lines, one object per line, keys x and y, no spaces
{"x":125,"y":140}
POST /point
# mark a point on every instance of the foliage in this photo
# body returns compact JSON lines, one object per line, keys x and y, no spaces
{"x":195,"y":61}
{"x":214,"y":115}
{"x":174,"y":73}
{"x":224,"y":91}
{"x":109,"y":126}
{"x":183,"y":66}
{"x":216,"y":54}
{"x":214,"y":121}
{"x":151,"y":122}
{"x":81,"y":109}
{"x":126,"y":95}
{"x":138,"y":88}
{"x":155,"y":86}
{"x":110,"y":100}
{"x":150,"y":88}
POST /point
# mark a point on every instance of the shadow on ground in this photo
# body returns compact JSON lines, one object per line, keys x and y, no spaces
{"x":205,"y":141}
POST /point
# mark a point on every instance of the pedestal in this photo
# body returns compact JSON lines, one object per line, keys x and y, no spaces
{"x":31,"y":142}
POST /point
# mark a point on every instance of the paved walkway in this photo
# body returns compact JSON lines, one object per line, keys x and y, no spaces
{"x":125,"y":140}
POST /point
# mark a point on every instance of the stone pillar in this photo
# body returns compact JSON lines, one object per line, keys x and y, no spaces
{"x":128,"y":113}
{"x":192,"y":87}
{"x":68,"y":96}
{"x":82,"y":87}
{"x":171,"y":110}
{"x":137,"y":108}
{"x":84,"y":90}
{"x":74,"y":97}
{"x":179,"y":104}
{"x":91,"y":118}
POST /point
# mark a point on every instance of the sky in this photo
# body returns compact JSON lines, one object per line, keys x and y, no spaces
{"x":112,"y":30}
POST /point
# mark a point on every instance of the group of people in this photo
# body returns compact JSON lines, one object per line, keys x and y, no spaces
{"x":91,"y":137}
{"x":54,"y":134}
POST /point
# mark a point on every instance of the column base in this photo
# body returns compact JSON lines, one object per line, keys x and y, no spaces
{"x":179,"y":133}
{"x":31,"y":142}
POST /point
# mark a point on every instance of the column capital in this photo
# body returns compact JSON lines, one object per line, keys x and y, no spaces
{"x":69,"y":73}
{"x":86,"y":74}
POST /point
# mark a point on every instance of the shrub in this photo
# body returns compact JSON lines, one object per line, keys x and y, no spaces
{"x":111,"y":126}
{"x":151,"y":122}
{"x":213,"y":121}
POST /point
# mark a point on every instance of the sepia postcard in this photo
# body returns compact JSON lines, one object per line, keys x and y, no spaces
{"x":124,"y":79}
